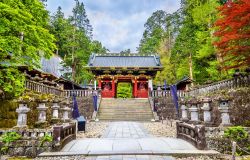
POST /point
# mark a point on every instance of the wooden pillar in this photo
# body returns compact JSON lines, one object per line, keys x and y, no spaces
{"x":113,"y":88}
{"x":100,"y":84}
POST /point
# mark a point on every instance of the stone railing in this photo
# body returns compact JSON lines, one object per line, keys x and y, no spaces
{"x":167,"y":93}
{"x":42,"y":88}
{"x":63,"y":134}
{"x":30,"y":133}
{"x":194,"y":134}
{"x":78,"y":93}
{"x":30,"y":144}
{"x":236,"y":82}
{"x":192,"y":110}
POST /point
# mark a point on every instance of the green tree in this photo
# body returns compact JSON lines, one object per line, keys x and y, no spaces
{"x":97,"y":47}
{"x":126,"y":51}
{"x":24,"y":39}
{"x":154,"y":32}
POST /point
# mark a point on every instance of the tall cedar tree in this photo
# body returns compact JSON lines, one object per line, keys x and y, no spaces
{"x":24,"y":39}
{"x":234,"y":34}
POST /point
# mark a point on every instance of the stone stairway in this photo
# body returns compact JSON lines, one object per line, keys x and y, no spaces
{"x":131,"y":109}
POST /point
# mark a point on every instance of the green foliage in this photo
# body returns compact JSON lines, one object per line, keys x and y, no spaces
{"x":124,"y":90}
{"x":11,"y":82}
{"x":73,"y":36}
{"x":184,"y":41}
{"x":45,"y":138}
{"x":7,"y":138}
{"x":24,"y":39}
{"x":240,"y":136}
{"x":236,"y":133}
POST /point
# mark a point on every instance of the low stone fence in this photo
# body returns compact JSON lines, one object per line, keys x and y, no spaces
{"x":239,"y":80}
{"x":195,"y":134}
{"x":31,"y":142}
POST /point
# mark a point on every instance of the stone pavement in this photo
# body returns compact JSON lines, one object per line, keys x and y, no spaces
{"x":125,"y":130}
{"x":128,"y":138}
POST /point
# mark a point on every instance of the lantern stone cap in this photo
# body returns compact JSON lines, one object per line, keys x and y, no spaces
{"x":193,"y":109}
{"x":206,"y":100}
{"x":66,"y":109}
{"x":193,"y":101}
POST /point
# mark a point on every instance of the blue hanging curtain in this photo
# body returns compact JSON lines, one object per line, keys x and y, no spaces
{"x":95,"y":101}
{"x":75,"y":113}
{"x":173,"y":89}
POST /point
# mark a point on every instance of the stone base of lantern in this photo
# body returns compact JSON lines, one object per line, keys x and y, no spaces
{"x":55,"y":120}
{"x":194,"y":122}
{"x":208,"y":124}
{"x":225,"y":125}
{"x":41,"y":124}
{"x":184,"y":119}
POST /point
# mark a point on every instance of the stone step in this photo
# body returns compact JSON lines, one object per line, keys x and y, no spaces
{"x":125,"y":112}
{"x":125,"y":109}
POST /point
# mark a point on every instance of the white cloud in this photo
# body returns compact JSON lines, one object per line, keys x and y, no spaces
{"x":118,"y":24}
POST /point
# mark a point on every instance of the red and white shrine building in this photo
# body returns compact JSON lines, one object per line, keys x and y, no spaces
{"x":112,"y":68}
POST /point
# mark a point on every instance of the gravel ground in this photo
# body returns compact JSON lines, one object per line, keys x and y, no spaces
{"x":159,"y":129}
{"x":93,"y":130}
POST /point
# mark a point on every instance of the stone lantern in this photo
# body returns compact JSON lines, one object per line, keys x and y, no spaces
{"x":55,"y":110}
{"x":224,"y":110}
{"x":22,"y":111}
{"x":207,"y":110}
{"x":184,"y":111}
{"x":42,"y":111}
{"x":65,"y":110}
{"x":194,"y":110}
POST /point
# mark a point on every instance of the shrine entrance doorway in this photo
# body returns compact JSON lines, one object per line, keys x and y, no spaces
{"x":124,"y":90}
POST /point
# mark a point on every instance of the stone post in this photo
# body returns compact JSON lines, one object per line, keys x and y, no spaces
{"x":194,"y":111}
{"x":224,"y":110}
{"x":22,"y":111}
{"x":184,"y":112}
{"x":55,"y":108}
{"x":42,"y":112}
{"x":207,"y":110}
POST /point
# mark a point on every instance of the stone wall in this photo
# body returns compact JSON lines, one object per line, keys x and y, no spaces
{"x":86,"y":107}
{"x":165,"y":107}
{"x":8,"y":115}
{"x":239,"y":106}
{"x":215,"y":139}
{"x":28,"y":147}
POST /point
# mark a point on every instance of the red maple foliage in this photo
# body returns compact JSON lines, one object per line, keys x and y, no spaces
{"x":233,"y":32}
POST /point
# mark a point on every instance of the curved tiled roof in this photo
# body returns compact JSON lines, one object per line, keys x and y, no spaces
{"x":124,"y":60}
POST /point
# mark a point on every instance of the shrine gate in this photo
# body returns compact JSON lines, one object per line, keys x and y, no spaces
{"x":111,"y":68}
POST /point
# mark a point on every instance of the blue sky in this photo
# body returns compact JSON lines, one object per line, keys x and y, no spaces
{"x":117,"y":24}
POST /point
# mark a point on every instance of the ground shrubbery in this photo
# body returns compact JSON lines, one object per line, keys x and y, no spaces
{"x":124,"y":90}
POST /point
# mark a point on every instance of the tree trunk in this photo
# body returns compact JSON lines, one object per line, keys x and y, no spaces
{"x":191,"y":68}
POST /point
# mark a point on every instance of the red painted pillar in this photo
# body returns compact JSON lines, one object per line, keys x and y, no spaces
{"x":100,"y":84}
{"x":113,"y":88}
{"x":135,"y":88}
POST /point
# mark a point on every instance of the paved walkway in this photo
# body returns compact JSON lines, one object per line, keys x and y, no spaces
{"x":128,"y":138}
{"x":125,"y":130}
